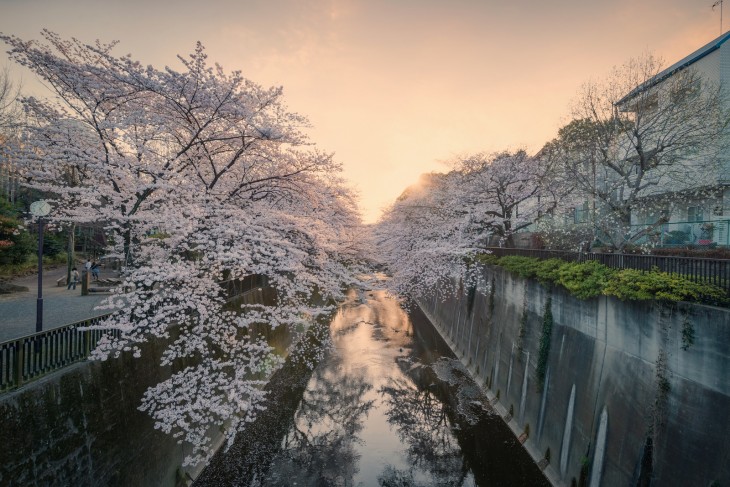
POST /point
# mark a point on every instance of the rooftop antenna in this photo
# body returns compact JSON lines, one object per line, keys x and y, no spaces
{"x":719,"y":2}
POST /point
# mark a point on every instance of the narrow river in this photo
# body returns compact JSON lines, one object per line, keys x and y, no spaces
{"x":388,"y":405}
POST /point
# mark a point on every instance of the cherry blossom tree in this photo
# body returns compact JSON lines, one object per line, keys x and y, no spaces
{"x":199,"y":176}
{"x":506,"y":192}
{"x":430,"y":234}
{"x":9,"y":108}
{"x":424,"y":238}
{"x":10,"y":118}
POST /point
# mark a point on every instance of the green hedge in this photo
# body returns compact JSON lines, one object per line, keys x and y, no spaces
{"x":585,"y":280}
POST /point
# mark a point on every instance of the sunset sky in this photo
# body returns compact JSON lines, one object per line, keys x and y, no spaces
{"x":394,"y":88}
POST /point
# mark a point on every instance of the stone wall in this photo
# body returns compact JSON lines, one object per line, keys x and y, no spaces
{"x":631,"y":392}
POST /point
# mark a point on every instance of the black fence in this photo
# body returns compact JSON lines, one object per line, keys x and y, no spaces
{"x":713,"y":271}
{"x":33,"y":356}
{"x":236,"y":287}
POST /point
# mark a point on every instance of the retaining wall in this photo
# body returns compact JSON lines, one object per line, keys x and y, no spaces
{"x":634,"y":393}
{"x":80,"y":425}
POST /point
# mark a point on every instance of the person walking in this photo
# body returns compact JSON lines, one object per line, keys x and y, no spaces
{"x":95,"y":270}
{"x":74,"y":279}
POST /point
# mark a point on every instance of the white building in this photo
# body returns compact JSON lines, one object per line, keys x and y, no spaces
{"x":700,"y":181}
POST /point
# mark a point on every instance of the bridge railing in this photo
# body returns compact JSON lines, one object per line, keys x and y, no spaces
{"x":713,"y":271}
{"x":33,"y":356}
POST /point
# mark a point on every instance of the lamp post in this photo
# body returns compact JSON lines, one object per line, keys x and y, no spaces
{"x":40,"y":209}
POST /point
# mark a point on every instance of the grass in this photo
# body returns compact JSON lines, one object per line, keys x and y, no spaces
{"x":30,"y":266}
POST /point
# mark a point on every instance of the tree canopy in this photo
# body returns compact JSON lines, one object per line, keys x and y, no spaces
{"x":436,"y":226}
{"x":199,"y":176}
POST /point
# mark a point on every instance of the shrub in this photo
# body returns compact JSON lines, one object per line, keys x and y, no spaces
{"x":15,"y":243}
{"x":691,"y":251}
{"x":585,"y":280}
{"x":548,"y":271}
{"x":489,"y":259}
{"x":53,"y":244}
{"x":637,"y":285}
{"x":522,"y":266}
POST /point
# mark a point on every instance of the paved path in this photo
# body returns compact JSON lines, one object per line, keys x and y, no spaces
{"x":60,"y":306}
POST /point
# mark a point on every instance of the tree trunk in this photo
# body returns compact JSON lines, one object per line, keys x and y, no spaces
{"x":70,"y":257}
{"x":127,"y":235}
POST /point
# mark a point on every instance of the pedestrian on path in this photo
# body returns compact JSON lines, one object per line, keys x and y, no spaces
{"x":74,"y":279}
{"x":95,"y":270}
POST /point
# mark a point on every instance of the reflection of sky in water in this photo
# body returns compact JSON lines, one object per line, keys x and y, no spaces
{"x":362,"y":421}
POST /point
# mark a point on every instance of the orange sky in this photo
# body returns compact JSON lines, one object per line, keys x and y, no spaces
{"x":395,"y":87}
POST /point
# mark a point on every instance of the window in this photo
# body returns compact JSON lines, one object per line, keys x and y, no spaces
{"x":643,"y":102}
{"x":582,"y":213}
{"x":694,"y":214}
{"x":684,"y":90}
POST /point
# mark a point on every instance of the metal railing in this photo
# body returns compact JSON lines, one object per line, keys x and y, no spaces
{"x":705,"y":233}
{"x":33,"y":356}
{"x":237,"y":287}
{"x":713,"y":271}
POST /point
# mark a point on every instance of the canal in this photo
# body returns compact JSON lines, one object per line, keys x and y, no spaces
{"x":388,"y":404}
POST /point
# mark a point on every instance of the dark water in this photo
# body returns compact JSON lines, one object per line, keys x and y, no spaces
{"x":389,"y":405}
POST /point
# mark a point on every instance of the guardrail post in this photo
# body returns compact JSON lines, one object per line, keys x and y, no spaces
{"x":87,"y":342}
{"x":18,"y":363}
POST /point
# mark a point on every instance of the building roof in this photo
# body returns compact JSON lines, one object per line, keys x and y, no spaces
{"x":678,"y":66}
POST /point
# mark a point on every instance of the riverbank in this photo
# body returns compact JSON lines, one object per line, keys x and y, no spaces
{"x":605,"y":392}
{"x":81,"y":425}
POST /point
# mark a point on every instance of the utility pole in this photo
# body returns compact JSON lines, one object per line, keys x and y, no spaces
{"x":719,"y":2}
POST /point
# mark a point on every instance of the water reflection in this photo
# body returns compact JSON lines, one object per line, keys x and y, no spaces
{"x":321,"y":447}
{"x":422,"y":424}
{"x":389,"y":405}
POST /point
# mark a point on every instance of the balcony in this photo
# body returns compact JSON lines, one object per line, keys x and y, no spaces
{"x":698,"y":234}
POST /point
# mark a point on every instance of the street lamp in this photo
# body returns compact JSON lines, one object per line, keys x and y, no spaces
{"x":40,"y":209}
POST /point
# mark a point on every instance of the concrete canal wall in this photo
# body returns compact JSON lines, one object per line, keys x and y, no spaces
{"x":80,"y":425}
{"x":613,"y":393}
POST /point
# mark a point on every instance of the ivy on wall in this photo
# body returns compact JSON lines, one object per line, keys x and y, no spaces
{"x":688,"y":333}
{"x":544,"y":350}
{"x":492,"y":290}
{"x":523,"y":328}
{"x":471,"y":296}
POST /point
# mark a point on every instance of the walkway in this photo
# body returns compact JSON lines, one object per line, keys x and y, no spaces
{"x":60,"y":306}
